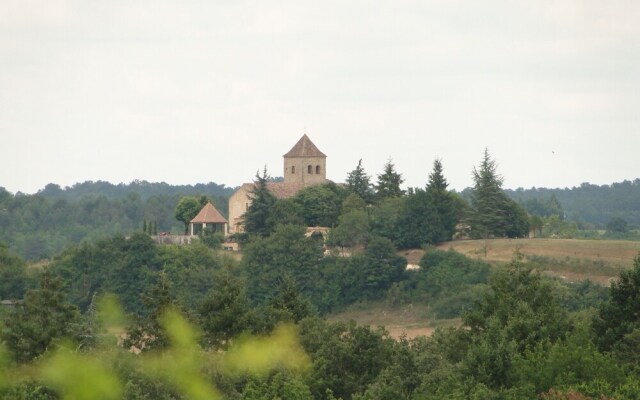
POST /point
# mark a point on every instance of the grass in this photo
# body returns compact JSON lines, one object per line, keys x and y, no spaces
{"x":410,"y":320}
{"x":570,"y":259}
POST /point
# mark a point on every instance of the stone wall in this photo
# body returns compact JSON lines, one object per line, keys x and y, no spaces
{"x":174,"y":239}
{"x":296,"y":169}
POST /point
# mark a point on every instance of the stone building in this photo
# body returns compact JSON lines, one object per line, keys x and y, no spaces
{"x":304,"y":165}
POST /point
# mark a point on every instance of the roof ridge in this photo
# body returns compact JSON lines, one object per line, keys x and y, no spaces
{"x":209,"y":213}
{"x":304,"y":148}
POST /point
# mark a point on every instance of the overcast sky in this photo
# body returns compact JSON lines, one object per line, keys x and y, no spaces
{"x":197,"y":91}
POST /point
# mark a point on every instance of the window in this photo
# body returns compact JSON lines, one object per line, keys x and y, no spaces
{"x":317,"y":169}
{"x":309,"y":169}
{"x":293,"y":169}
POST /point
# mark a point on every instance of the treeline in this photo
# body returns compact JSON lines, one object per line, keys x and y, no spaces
{"x":41,"y":225}
{"x":143,"y":188}
{"x":590,"y":206}
{"x":522,"y":336}
{"x":362,"y":210}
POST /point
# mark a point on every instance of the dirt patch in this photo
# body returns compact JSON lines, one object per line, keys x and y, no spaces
{"x":397,"y":332}
{"x":573,"y":277}
{"x":413,"y":256}
{"x":409,"y":320}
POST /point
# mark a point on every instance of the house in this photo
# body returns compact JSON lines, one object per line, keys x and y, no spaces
{"x":208,"y":219}
{"x":304,"y":165}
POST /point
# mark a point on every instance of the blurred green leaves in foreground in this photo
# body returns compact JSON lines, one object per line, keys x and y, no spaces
{"x":76,"y":373}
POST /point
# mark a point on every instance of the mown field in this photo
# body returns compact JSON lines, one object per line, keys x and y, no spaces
{"x":569,"y":259}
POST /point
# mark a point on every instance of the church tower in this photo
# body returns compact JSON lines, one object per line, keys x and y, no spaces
{"x":304,"y":163}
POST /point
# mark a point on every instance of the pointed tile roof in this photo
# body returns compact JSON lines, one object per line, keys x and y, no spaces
{"x":209,"y":215}
{"x":304,"y":148}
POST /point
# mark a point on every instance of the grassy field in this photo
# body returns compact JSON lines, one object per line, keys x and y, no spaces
{"x":570,"y":259}
{"x":409,"y":320}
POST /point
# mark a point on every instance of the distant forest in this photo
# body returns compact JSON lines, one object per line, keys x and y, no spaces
{"x":43,"y":224}
{"x":592,"y":206}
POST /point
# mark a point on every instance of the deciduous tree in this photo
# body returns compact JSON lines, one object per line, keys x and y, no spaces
{"x":186,"y":210}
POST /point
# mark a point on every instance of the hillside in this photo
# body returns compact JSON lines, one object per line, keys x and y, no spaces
{"x":570,"y":259}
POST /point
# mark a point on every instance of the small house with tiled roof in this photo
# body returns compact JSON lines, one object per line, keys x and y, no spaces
{"x":208,"y":219}
{"x":304,"y":165}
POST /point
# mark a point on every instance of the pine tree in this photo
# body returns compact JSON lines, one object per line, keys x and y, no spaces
{"x":443,"y":203}
{"x":437,"y":181}
{"x":256,"y":218}
{"x":359,"y":183}
{"x":487,"y":200}
{"x":389,"y":183}
{"x":494,"y":214}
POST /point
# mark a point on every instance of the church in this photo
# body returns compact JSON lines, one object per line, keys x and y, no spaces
{"x":304,"y":165}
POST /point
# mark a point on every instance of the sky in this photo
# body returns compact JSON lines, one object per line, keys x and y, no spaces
{"x":193,"y":91}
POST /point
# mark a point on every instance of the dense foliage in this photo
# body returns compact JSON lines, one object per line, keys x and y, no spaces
{"x":587,"y":204}
{"x":519,"y":339}
{"x":41,"y":225}
{"x":207,"y":325}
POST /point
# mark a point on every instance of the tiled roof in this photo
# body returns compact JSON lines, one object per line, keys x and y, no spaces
{"x":282,"y":190}
{"x":209,"y":215}
{"x":304,"y":148}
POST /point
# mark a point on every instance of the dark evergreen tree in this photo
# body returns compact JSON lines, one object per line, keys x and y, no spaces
{"x":389,"y":182}
{"x":359,"y":183}
{"x":287,"y":251}
{"x":31,"y":329}
{"x":619,"y":317}
{"x":493,"y":213}
{"x":147,"y":332}
{"x":288,"y":304}
{"x":418,"y":223}
{"x":444,"y":205}
{"x":256,"y":218}
{"x":225,"y":312}
{"x":13,"y":274}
